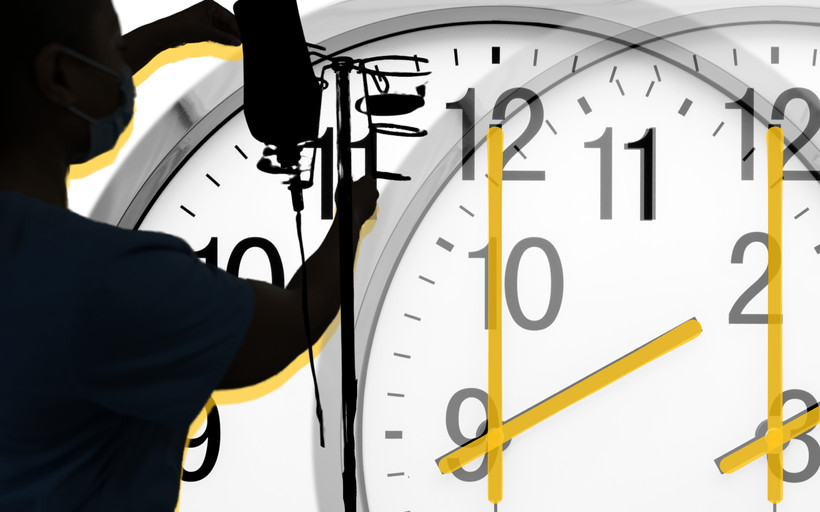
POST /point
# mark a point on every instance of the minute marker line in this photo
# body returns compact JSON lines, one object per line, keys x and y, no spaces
{"x":212,"y":179}
{"x":427,"y":279}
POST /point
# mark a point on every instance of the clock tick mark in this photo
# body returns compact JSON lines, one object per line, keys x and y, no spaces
{"x":695,"y":60}
{"x":444,"y":244}
{"x":747,"y":155}
{"x":582,"y":101}
{"x":390,"y":475}
{"x":412,"y":317}
{"x":398,"y":354}
{"x":496,"y":56}
{"x":775,"y":55}
{"x":241,"y":152}
{"x":801,"y":213}
{"x":393,"y":434}
{"x":684,"y":108}
{"x":551,"y":127}
{"x":809,"y":175}
{"x":814,"y":58}
{"x":718,"y":128}
{"x":535,"y":57}
{"x":612,"y":76}
{"x":574,"y":64}
{"x":648,"y":91}
{"x":212,"y":179}
{"x":465,"y":210}
{"x":620,"y":87}
{"x":396,"y":395}
{"x":427,"y":280}
{"x":455,"y":55}
{"x":189,"y":212}
{"x":657,"y":73}
{"x":734,"y":55}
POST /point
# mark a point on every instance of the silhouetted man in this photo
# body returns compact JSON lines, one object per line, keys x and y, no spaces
{"x":112,"y":340}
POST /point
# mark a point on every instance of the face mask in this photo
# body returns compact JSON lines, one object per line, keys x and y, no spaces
{"x":105,"y":131}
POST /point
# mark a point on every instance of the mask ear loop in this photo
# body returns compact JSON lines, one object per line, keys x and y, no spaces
{"x":121,"y":78}
{"x":91,"y":62}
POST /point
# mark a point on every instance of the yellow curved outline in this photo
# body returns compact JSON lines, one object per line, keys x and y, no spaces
{"x":246,"y":394}
{"x":223,"y":397}
{"x":774,"y":485}
{"x":169,"y":56}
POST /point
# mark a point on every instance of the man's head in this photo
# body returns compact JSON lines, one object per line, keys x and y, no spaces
{"x":42,"y":80}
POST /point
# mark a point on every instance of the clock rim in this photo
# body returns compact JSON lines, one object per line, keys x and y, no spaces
{"x":202,"y":111}
{"x":383,"y":271}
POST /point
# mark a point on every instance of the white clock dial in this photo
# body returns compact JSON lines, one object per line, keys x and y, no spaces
{"x":650,"y":436}
{"x":593,"y":269}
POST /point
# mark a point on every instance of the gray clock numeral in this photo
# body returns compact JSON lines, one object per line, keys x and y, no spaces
{"x":646,"y":145}
{"x":213,"y":436}
{"x":511,"y":283}
{"x":467,"y":106}
{"x":746,"y":105}
{"x":812,"y":125}
{"x":813,"y":464}
{"x":736,"y":314}
{"x":604,"y":143}
{"x":468,"y":118}
{"x":211,"y":252}
{"x":454,"y":430}
{"x":536,"y":121}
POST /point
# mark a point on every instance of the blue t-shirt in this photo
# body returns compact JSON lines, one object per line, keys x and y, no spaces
{"x":111,"y":342}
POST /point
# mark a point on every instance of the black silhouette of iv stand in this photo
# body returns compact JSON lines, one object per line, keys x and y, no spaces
{"x":277,"y":119}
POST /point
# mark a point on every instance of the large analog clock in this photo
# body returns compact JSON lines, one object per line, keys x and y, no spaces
{"x":637,"y":211}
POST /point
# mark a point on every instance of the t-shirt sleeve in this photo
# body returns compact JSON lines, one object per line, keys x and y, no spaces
{"x":157,"y":329}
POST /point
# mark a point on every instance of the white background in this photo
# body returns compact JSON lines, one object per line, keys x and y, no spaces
{"x":157,"y":94}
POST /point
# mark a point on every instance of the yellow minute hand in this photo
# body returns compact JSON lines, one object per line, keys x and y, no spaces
{"x":774,"y":437}
{"x":667,"y":342}
{"x":495,"y":151}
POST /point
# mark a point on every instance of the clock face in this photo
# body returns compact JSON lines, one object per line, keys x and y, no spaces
{"x":634,"y":198}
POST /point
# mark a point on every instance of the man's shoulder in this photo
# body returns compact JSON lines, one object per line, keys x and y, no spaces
{"x":42,"y":226}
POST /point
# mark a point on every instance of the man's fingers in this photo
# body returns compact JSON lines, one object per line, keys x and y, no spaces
{"x":225,"y":24}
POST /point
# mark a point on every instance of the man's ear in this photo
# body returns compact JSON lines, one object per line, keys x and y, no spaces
{"x":55,"y":75}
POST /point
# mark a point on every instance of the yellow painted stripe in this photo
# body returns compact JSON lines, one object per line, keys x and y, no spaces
{"x":759,"y":447}
{"x":495,"y":153}
{"x":774,"y":150}
{"x":667,"y":342}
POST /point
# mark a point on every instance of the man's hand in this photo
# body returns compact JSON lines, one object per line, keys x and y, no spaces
{"x":364,"y":199}
{"x":205,"y":21}
{"x":276,"y":335}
